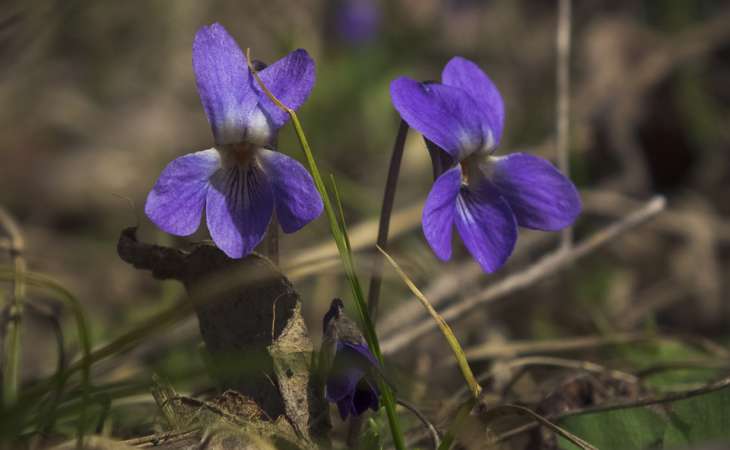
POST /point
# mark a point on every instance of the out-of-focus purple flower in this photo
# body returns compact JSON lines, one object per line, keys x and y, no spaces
{"x":239,"y":181}
{"x":349,"y":364}
{"x":485,"y":197}
{"x":357,"y":20}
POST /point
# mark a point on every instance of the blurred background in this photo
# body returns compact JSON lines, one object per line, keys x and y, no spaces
{"x":99,"y":95}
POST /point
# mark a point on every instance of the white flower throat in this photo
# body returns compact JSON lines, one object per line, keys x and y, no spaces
{"x":475,"y":167}
{"x":257,"y":136}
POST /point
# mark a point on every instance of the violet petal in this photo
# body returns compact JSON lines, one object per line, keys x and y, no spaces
{"x":344,"y":407}
{"x":439,"y":212}
{"x":342,"y":382}
{"x":290,"y":79}
{"x":445,"y":115}
{"x":224,"y":83}
{"x":540,"y":196}
{"x":462,"y":73}
{"x":240,"y":203}
{"x":347,"y":383}
{"x":351,"y":362}
{"x":175,"y":203}
{"x":360,"y":352}
{"x":296,"y":198}
{"x":365,"y":396}
{"x":486,"y":225}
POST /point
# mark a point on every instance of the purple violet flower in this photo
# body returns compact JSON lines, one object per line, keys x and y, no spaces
{"x":240,"y":181}
{"x":347,"y":384}
{"x":357,"y":20}
{"x":349,"y":364}
{"x":486,"y":197}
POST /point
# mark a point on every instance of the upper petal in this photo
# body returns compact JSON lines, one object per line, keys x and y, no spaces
{"x":446,"y":115}
{"x":356,"y":353}
{"x":224,"y":83}
{"x":540,"y":196}
{"x":439,"y":212}
{"x":290,"y":79}
{"x":462,"y":73}
{"x":346,"y":407}
{"x":486,"y":225}
{"x":240,"y":203}
{"x":295,"y":196}
{"x":175,"y":203}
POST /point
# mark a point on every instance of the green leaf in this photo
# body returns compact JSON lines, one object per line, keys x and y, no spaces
{"x":697,"y":420}
{"x":668,"y":352}
{"x":371,"y":438}
{"x":701,"y":419}
{"x":629,"y":429}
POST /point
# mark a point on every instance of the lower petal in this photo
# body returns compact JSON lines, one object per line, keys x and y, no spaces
{"x":540,"y":196}
{"x":486,"y":225}
{"x":175,"y":203}
{"x":240,"y":203}
{"x":345,"y":407}
{"x":439,"y":212}
{"x":297,"y":199}
{"x":365,"y":397}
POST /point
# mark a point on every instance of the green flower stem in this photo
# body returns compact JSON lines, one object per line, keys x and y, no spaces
{"x":385,"y":212}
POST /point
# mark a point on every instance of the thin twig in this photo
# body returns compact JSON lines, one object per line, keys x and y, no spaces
{"x":563,"y":100}
{"x":536,"y":347}
{"x":680,"y":365}
{"x":722,"y":384}
{"x":548,"y":265}
{"x":523,"y":363}
{"x":576,"y":343}
{"x":203,"y":404}
{"x":539,"y":420}
{"x":449,"y":283}
{"x":435,"y":438}
{"x":362,"y":236}
{"x":161,"y":438}
{"x":587,"y":366}
{"x":386,"y":211}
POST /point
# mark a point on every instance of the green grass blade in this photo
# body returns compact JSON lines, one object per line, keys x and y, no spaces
{"x":446,"y":330}
{"x":77,"y":310}
{"x":339,"y":234}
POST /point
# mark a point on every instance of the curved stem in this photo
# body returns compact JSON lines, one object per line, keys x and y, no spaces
{"x":433,"y":432}
{"x":385,"y":212}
